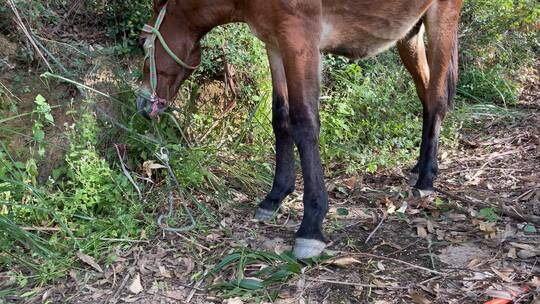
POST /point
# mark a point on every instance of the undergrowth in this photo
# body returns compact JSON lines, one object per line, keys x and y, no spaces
{"x":371,"y":119}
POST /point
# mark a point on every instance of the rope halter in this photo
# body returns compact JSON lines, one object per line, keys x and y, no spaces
{"x":150,"y":50}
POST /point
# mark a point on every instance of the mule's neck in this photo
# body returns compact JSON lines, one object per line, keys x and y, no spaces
{"x":208,"y":14}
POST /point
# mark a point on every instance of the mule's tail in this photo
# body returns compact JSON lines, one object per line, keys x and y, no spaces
{"x":452,"y":80}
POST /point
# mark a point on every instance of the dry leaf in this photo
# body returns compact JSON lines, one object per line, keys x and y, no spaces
{"x":418,"y":298}
{"x":380,"y":266}
{"x":488,"y":228}
{"x":237,"y":300}
{"x":150,"y":165}
{"x":136,"y":287}
{"x":535,"y":281}
{"x":164,"y":272}
{"x":474,"y":263}
{"x":504,"y":274}
{"x":89,"y":260}
{"x":178,"y":295}
{"x":190,"y":265}
{"x":344,"y":262}
{"x":421,"y":231}
{"x":350,"y":183}
{"x":512,"y":253}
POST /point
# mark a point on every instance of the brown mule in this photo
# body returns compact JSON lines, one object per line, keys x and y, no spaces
{"x":295,"y":33}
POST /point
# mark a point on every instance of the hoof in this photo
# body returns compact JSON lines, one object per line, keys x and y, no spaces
{"x":413,"y":178}
{"x":264,"y":215}
{"x":308,"y":248}
{"x":419,"y":193}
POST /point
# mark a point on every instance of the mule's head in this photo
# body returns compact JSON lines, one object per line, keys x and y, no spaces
{"x":172,"y":52}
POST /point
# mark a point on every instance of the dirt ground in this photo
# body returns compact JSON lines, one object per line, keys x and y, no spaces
{"x":387,"y":248}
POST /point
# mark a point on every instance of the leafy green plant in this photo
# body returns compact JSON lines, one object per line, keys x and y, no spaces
{"x":489,"y":214}
{"x":278,"y":269}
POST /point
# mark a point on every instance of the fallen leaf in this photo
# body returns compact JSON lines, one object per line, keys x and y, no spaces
{"x":164,"y":272}
{"x":237,"y":300}
{"x":89,"y":260}
{"x":488,"y":228}
{"x":504,"y":274}
{"x":421,"y":231}
{"x":535,"y":281}
{"x":178,"y":295}
{"x":136,"y":287}
{"x":512,"y":253}
{"x":150,"y":165}
{"x":418,"y":298}
{"x":344,"y":262}
{"x":190,"y":265}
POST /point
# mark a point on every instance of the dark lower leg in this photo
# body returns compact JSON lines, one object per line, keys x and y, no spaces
{"x":427,"y":165}
{"x":306,"y":134}
{"x":425,"y":138}
{"x":284,"y":178}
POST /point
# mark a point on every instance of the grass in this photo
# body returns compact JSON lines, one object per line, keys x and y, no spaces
{"x":257,"y":273}
{"x":370,"y":120}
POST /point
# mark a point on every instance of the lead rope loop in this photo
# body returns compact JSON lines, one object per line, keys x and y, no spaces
{"x":163,"y":156}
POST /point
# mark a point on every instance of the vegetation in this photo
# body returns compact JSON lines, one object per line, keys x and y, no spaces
{"x":370,"y":116}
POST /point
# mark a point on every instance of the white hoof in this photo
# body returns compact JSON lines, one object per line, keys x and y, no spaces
{"x":418,"y":193}
{"x":308,"y":248}
{"x":413,"y":178}
{"x":264,"y":215}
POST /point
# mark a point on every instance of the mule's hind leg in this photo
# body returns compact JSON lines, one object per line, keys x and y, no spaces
{"x":441,"y":22}
{"x":413,"y":55}
{"x":284,"y":178}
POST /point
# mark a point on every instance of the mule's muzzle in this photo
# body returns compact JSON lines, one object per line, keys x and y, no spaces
{"x":144,"y":106}
{"x":150,"y":108}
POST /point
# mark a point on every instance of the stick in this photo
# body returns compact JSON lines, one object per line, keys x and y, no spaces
{"x":126,"y":173}
{"x":27,"y":33}
{"x":508,"y":211}
{"x":399,"y":261}
{"x":356,"y":284}
{"x":194,"y":289}
{"x":193,"y":242}
{"x":376,"y":228}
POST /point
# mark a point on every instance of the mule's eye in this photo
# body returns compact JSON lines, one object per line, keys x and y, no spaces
{"x":141,"y":43}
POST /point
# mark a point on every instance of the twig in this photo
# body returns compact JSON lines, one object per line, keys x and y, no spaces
{"x":193,"y":242}
{"x":127,"y":174}
{"x":112,"y":298}
{"x":399,"y":261}
{"x":376,"y":228}
{"x":195,"y":288}
{"x":27,"y":33}
{"x":356,"y":284}
{"x":508,"y":211}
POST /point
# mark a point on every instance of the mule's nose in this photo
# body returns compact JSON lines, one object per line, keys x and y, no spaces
{"x":143,"y":107}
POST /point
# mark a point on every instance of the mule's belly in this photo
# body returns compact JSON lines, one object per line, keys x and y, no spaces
{"x":360,"y":28}
{"x":361,"y":47}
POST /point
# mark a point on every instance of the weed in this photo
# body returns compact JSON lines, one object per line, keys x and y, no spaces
{"x":266,"y":271}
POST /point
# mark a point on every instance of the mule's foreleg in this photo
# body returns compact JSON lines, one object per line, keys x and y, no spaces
{"x":284,"y":178}
{"x":301,"y":60}
{"x":442,"y":22}
{"x":412,"y":51}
